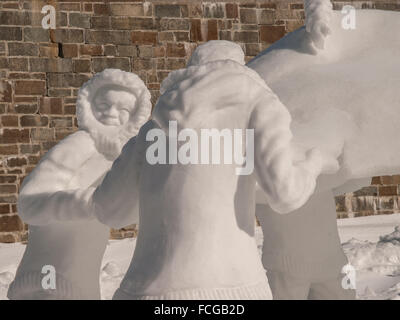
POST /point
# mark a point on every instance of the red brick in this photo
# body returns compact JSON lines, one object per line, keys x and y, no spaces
{"x":25,"y":108}
{"x":271,"y":34}
{"x":126,"y":9}
{"x":9,"y":121}
{"x":9,"y":237}
{"x":8,"y":188}
{"x":232,"y":11}
{"x":50,"y":105}
{"x":16,"y":162}
{"x":88,"y":7}
{"x":34,"y":121}
{"x":268,"y":5}
{"x":91,"y":50}
{"x":70,"y":50}
{"x":165,"y":36}
{"x":159,"y":52}
{"x":388,"y":191}
{"x":4,"y":208}
{"x":176,"y":50}
{"x":14,"y":136}
{"x":248,"y":16}
{"x":212,"y":30}
{"x":195,"y":30}
{"x":165,"y":10}
{"x":29,"y":148}
{"x":30,"y":88}
{"x":144,"y":37}
{"x":70,"y":109}
{"x":101,"y":8}
{"x":81,"y":65}
{"x":246,"y":36}
{"x":8,"y":149}
{"x":6,"y":91}
{"x":10,"y":223}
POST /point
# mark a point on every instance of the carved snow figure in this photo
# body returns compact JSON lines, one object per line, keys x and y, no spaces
{"x":196,"y":232}
{"x":344,"y":100}
{"x":54,"y":198}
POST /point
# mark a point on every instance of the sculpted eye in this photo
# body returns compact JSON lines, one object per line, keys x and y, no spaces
{"x":102,"y":106}
{"x":126,"y":108}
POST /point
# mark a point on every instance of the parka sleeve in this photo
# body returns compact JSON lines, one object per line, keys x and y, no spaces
{"x":116,"y":199}
{"x":44,"y":196}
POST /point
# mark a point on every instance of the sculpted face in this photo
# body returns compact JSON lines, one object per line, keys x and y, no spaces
{"x":112,"y":106}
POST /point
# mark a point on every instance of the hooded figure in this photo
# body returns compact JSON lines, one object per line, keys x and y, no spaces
{"x":339,"y":103}
{"x":64,"y":237}
{"x":197,"y":225}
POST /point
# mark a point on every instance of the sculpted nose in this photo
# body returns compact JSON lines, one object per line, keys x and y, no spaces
{"x":112,"y":111}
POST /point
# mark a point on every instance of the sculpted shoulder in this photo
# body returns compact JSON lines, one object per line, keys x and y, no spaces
{"x":75,"y":146}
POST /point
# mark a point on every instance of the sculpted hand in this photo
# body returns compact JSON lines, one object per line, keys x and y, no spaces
{"x":318,"y":15}
{"x":321,"y":162}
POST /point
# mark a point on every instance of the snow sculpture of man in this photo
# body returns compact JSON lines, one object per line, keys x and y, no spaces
{"x":66,"y":243}
{"x":196,"y":232}
{"x":339,"y":104}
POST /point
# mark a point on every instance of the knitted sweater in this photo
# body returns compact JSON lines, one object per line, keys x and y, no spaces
{"x":305,"y":243}
{"x":196,"y":235}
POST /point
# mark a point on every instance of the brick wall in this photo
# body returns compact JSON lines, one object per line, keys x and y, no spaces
{"x":41,"y":70}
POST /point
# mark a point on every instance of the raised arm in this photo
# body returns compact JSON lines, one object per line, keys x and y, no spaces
{"x":44,"y":196}
{"x":116,"y":199}
{"x":287,"y":184}
{"x":318,"y":15}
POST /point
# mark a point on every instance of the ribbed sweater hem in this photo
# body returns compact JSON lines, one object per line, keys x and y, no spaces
{"x":28,"y":286}
{"x":259,"y":291}
{"x":318,"y":269}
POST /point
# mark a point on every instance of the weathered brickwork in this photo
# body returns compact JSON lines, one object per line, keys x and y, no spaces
{"x":381,"y":197}
{"x":41,"y":71}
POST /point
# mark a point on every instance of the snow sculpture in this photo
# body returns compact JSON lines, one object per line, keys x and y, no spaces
{"x":318,"y":16}
{"x":302,"y":252}
{"x":344,"y":100}
{"x":64,"y":237}
{"x":195,"y":219}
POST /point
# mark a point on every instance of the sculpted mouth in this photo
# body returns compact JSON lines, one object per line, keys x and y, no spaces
{"x":111,"y":121}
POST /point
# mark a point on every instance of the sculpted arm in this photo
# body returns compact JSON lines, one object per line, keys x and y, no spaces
{"x":116,"y":199}
{"x":287,"y":184}
{"x":318,"y":15}
{"x":44,"y":196}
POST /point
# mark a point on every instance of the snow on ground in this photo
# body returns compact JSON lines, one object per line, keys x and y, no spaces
{"x":372,"y":245}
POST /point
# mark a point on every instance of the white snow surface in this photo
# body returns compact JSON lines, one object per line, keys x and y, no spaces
{"x":371,"y":244}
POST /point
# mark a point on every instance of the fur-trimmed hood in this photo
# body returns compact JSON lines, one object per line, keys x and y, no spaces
{"x":115,"y":78}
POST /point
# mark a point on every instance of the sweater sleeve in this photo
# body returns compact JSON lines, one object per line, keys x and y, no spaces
{"x":44,"y":196}
{"x":287,"y":184}
{"x":116,"y":199}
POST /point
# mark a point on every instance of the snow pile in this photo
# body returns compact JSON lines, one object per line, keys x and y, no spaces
{"x":393,"y":237}
{"x":382,"y":257}
{"x":110,"y":278}
{"x":5,"y":279}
